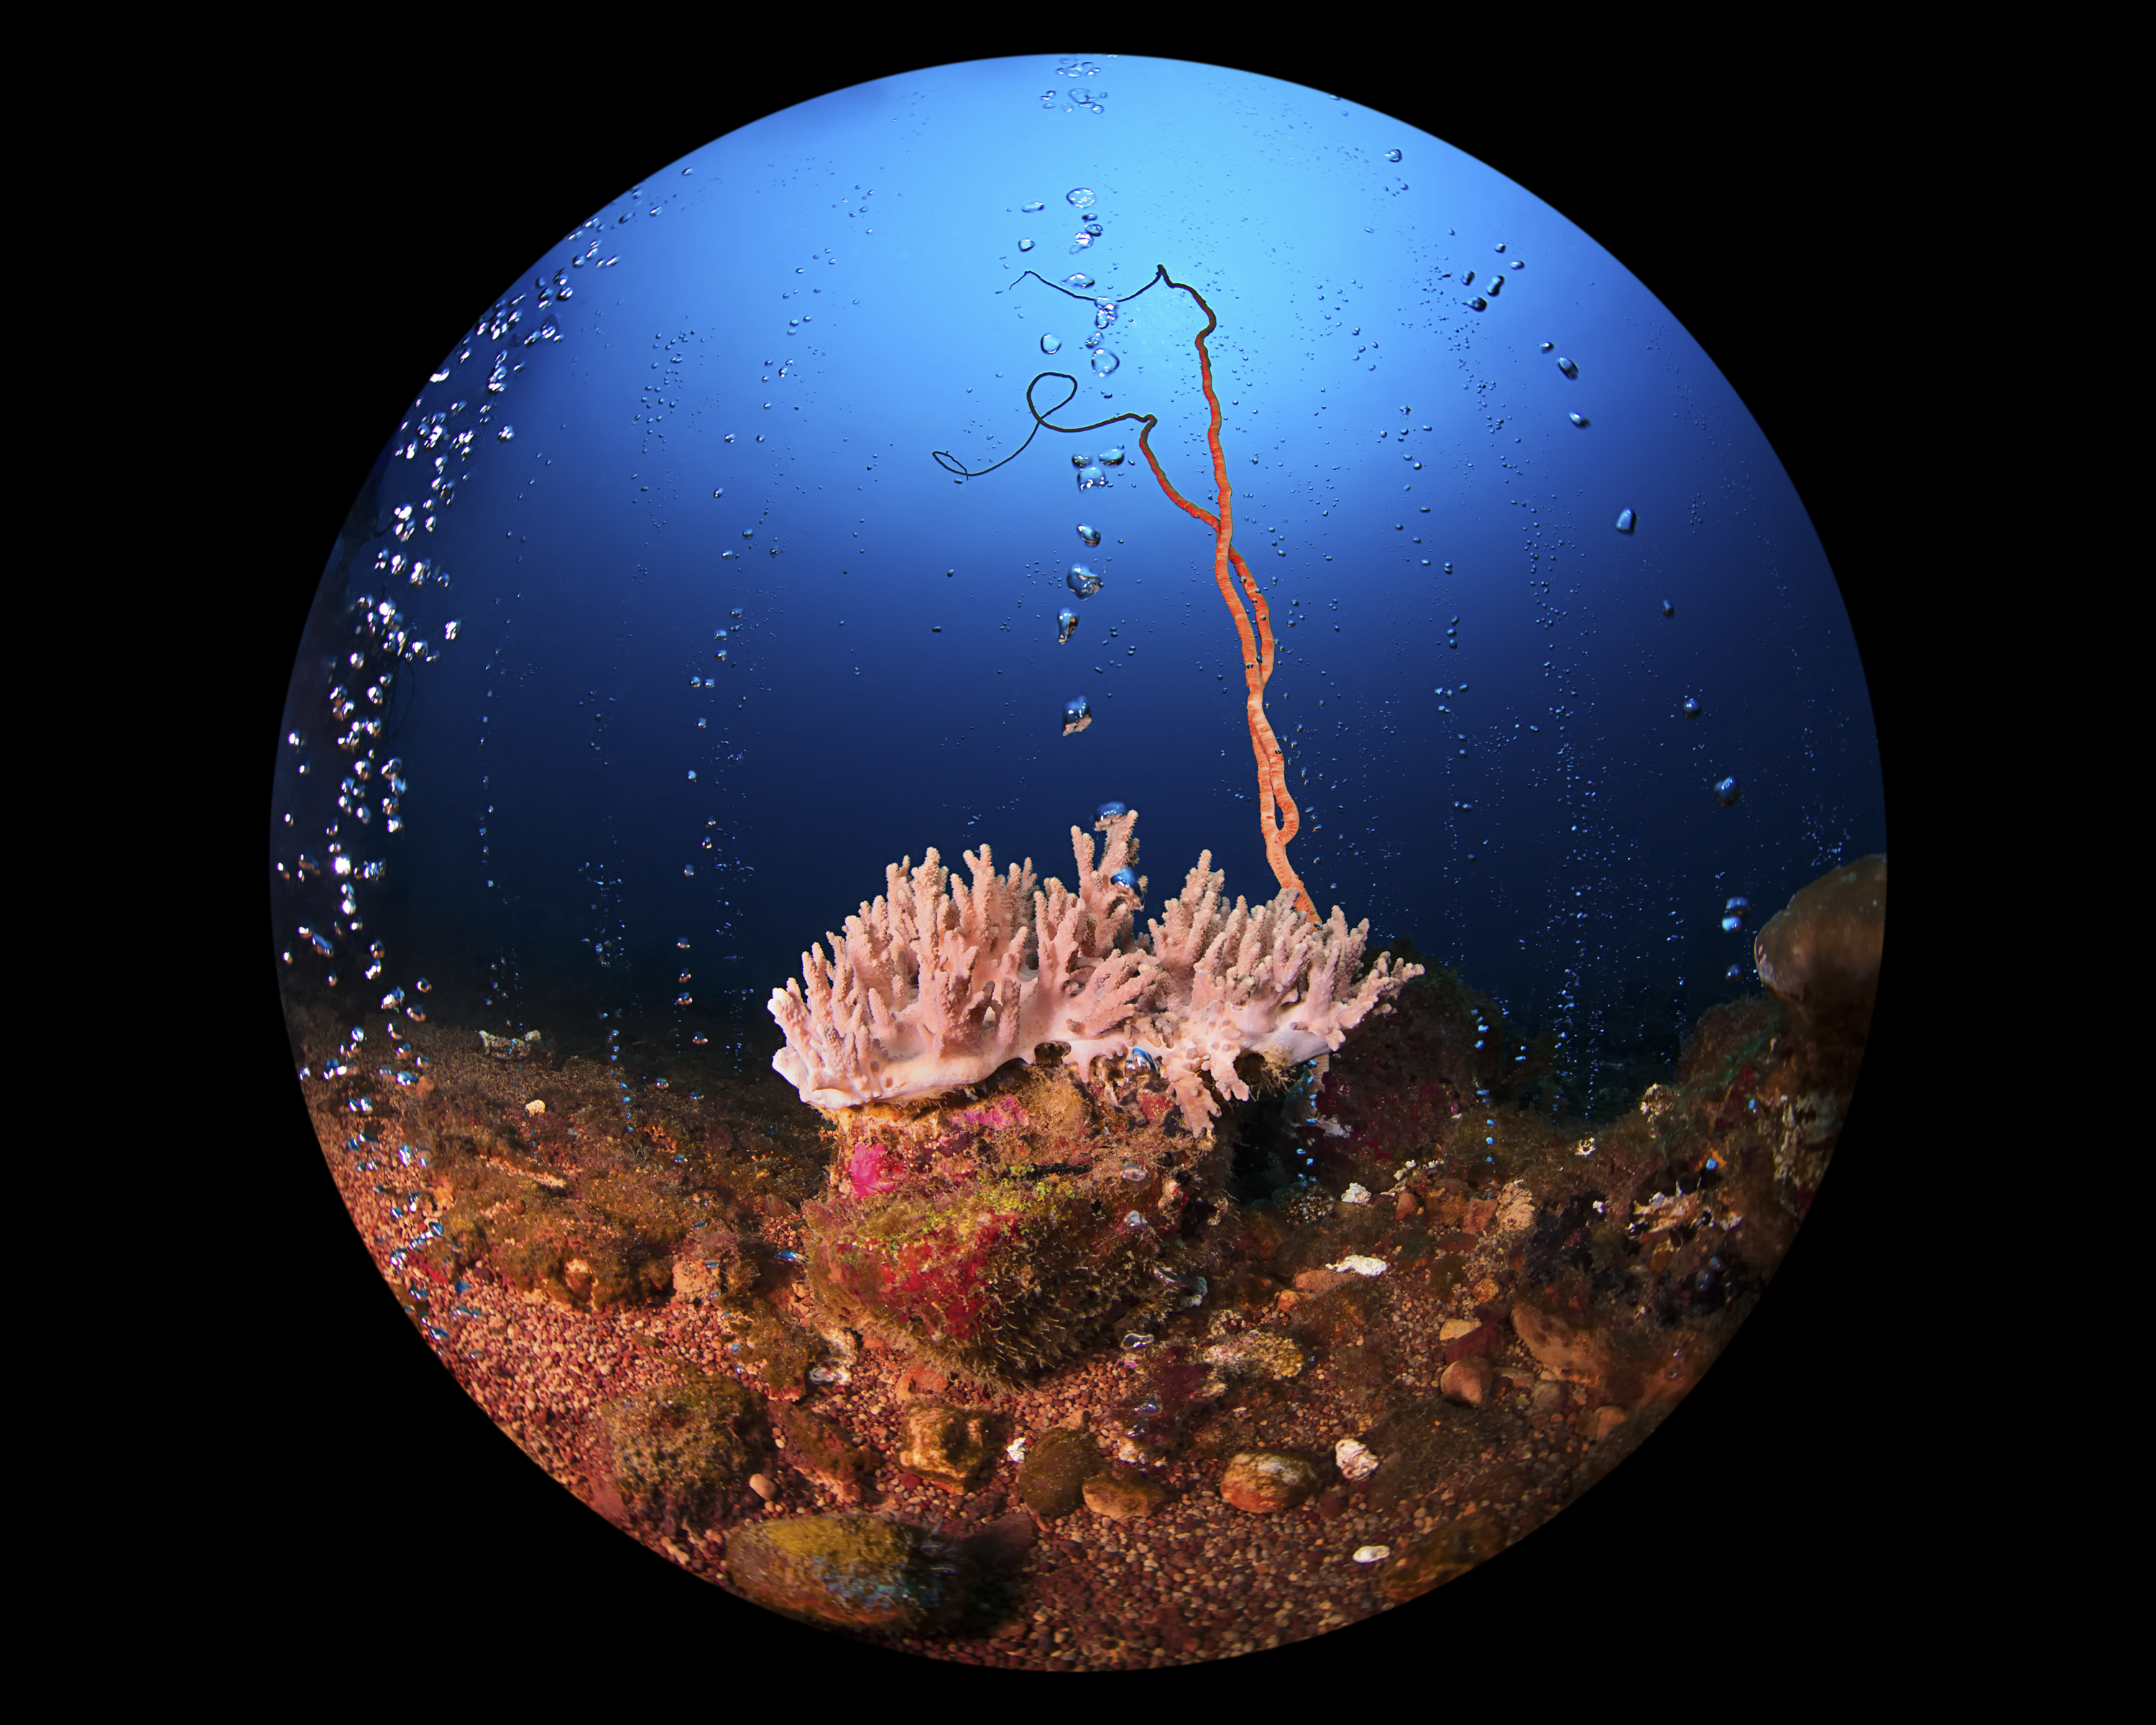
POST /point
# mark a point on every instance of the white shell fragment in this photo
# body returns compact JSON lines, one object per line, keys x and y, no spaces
{"x":1373,"y":1553}
{"x":1360,"y":1265}
{"x":1356,"y":1194}
{"x":1354,"y":1460}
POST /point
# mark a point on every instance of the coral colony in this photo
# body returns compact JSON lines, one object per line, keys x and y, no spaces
{"x":941,"y":1231}
{"x":938,"y":985}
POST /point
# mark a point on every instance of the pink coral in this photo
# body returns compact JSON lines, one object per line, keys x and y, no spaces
{"x":937,"y":985}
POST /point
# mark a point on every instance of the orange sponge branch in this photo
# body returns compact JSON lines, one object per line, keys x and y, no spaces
{"x":1278,"y":819}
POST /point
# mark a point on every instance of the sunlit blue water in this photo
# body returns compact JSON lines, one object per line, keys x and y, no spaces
{"x":725,"y":423}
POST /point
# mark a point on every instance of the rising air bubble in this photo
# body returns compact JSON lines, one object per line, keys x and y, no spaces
{"x":1066,"y":625}
{"x":1082,"y":581}
{"x":1104,"y":364}
{"x":1726,"y":791}
{"x":1051,"y":344}
{"x":1624,"y":521}
{"x":1091,"y":535}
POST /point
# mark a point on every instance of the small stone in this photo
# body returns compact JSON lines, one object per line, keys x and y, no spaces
{"x":1467,"y":1380}
{"x":1443,"y":1555}
{"x":1453,"y":1328}
{"x":1319,"y":1281}
{"x":1051,"y":1481}
{"x":1123,"y":1496}
{"x":851,"y":1572}
{"x":1600,"y":1422}
{"x":950,"y":1447}
{"x":1353,"y":1459}
{"x":1266,"y":1481}
{"x":760,"y":1483}
{"x":1405,"y":1208}
{"x":534,"y":1107}
{"x":1261,"y":1353}
{"x":1479,"y":1214}
{"x":1548,"y":1397}
{"x":1373,"y":1553}
{"x":820,"y":1451}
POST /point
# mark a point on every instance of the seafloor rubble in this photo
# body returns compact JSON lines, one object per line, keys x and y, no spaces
{"x":1369,"y":1333}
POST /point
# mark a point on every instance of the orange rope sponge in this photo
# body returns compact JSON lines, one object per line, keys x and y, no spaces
{"x":1278,"y":819}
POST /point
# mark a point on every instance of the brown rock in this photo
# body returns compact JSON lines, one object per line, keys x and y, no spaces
{"x":1051,"y":1480}
{"x":1467,"y":1380}
{"x":1443,"y":1555}
{"x":1571,"y":1352}
{"x":1406,"y":1207}
{"x":817,"y":1448}
{"x":1266,"y":1481}
{"x":1823,"y":951}
{"x":950,"y":1447}
{"x":1478,"y":1339}
{"x":1124,"y":1496}
{"x":1478,"y":1214}
{"x":1598,"y":1423}
{"x":852,"y":1572}
{"x":1320,"y":1282}
{"x":680,"y":1449}
{"x":1548,"y":1397}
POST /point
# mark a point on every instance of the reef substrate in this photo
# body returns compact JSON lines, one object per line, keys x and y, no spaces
{"x":1383,"y":1327}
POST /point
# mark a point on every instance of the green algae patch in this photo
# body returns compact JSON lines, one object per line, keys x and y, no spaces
{"x":852,"y":1572}
{"x":990,"y":1279}
{"x":680,"y":1449}
{"x":1052,"y":1479}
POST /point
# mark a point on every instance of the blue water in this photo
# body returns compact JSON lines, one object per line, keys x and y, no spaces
{"x":823,"y":298}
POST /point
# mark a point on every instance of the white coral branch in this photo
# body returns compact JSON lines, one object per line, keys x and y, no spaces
{"x":937,"y":985}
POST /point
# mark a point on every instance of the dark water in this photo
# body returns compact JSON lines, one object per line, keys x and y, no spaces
{"x":824,"y":298}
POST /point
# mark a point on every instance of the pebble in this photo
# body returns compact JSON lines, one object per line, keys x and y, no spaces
{"x":1453,"y":1328}
{"x":1467,"y":1380}
{"x":1373,"y":1553}
{"x":1353,"y":1459}
{"x":947,"y":1446}
{"x":1123,"y":1497}
{"x":1261,"y":1353}
{"x":1600,"y":1422}
{"x":1264,"y":1481}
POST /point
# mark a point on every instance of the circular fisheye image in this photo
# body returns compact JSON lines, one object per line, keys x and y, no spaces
{"x":1077,"y":864}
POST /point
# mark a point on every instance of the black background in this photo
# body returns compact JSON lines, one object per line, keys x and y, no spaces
{"x":356,"y":1500}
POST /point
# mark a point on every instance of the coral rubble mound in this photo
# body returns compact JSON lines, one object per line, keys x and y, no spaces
{"x":937,"y":984}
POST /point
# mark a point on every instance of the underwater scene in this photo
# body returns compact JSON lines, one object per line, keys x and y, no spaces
{"x":1079,"y":902}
